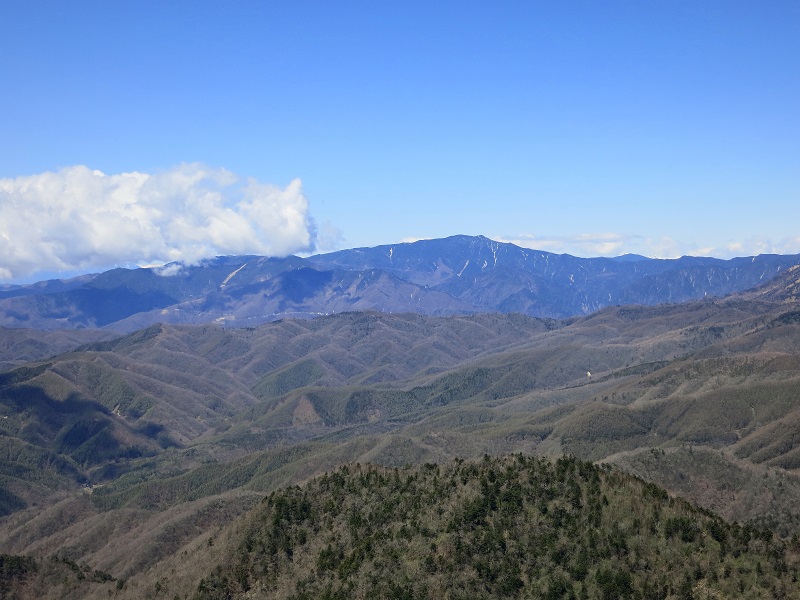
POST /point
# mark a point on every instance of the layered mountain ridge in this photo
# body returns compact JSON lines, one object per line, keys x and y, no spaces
{"x":132,"y":464}
{"x":456,"y":275}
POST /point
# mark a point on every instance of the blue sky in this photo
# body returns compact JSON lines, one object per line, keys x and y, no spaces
{"x":593,"y":128}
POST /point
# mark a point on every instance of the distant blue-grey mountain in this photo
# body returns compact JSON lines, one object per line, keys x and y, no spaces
{"x":459,"y":274}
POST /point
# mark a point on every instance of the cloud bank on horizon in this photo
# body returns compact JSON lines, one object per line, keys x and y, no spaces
{"x":615,"y":244}
{"x":78,"y":219}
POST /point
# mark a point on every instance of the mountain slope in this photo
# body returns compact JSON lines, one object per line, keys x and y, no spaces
{"x":19,"y":346}
{"x":500,"y":276}
{"x":92,"y":411}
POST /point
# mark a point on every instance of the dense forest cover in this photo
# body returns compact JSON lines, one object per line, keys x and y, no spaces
{"x":508,"y":527}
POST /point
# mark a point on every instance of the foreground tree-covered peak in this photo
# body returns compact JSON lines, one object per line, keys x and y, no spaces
{"x":510,"y":527}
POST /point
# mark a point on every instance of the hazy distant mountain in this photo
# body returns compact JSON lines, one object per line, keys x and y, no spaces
{"x":631,"y":258}
{"x":503,"y":277}
{"x":456,"y":275}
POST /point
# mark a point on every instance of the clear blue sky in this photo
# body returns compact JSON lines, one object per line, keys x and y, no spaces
{"x":658,"y":127}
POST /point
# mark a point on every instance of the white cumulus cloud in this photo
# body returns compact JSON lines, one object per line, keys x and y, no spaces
{"x":77,"y":218}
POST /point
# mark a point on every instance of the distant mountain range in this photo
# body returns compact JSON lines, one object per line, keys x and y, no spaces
{"x":455,"y":275}
{"x":137,"y":465}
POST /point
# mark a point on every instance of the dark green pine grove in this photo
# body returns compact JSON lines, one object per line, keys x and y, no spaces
{"x":511,"y":527}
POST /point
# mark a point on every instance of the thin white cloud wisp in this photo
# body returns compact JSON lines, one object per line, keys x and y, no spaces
{"x":615,"y":244}
{"x":78,"y":219}
{"x":585,"y":244}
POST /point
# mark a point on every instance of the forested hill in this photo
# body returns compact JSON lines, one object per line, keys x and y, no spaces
{"x":503,"y":527}
{"x":510,"y":527}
